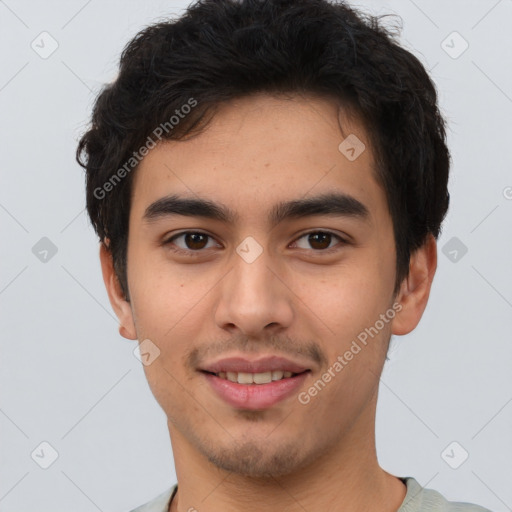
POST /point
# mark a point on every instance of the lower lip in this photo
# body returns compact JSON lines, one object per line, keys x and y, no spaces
{"x":255,"y":396}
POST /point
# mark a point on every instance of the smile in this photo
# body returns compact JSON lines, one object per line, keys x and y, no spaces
{"x":255,"y":378}
{"x":255,"y":391}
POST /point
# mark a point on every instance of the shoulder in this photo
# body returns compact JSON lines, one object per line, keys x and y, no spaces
{"x":158,"y":504}
{"x":421,"y":499}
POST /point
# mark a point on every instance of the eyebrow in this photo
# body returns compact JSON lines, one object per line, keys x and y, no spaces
{"x":330,"y":204}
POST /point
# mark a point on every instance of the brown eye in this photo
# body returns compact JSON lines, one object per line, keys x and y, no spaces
{"x":195,"y":240}
{"x":190,"y":242}
{"x":320,"y":241}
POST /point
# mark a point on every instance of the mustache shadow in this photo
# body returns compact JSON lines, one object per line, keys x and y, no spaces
{"x":282,"y":345}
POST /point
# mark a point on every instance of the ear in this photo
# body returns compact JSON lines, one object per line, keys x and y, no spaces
{"x":415,"y":288}
{"x":120,"y":305}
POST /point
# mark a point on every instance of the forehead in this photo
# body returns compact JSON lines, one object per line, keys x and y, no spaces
{"x":260,"y":150}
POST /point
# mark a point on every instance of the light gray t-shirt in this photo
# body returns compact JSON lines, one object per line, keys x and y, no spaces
{"x":417,"y":499}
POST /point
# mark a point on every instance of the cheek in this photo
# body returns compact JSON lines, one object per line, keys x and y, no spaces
{"x":169,"y":312}
{"x":350,"y":294}
{"x":155,"y":290}
{"x":343,"y":309}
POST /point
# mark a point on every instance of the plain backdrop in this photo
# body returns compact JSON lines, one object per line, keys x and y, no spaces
{"x":70,"y":381}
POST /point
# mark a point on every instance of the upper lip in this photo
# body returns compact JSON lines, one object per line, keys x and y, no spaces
{"x":261,"y":365}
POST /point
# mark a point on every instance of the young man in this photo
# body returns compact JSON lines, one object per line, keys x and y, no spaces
{"x":268,"y":180}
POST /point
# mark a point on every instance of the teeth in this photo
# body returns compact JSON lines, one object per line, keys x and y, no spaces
{"x":277,"y":374}
{"x":255,"y":378}
{"x":261,"y":378}
{"x":245,"y":378}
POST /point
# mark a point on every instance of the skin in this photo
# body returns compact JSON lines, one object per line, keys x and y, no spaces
{"x":258,"y":151}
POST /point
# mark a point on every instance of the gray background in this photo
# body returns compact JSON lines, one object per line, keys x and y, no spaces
{"x":69,"y":379}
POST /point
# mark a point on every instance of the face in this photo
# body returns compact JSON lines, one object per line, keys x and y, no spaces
{"x":284,"y":262}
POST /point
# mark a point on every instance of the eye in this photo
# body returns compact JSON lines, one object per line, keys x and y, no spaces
{"x":321,"y":241}
{"x":194,"y":241}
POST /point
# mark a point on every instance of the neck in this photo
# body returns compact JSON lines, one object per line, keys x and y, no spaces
{"x":346,"y":477}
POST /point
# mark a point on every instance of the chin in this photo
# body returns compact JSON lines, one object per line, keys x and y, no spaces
{"x":257,"y":460}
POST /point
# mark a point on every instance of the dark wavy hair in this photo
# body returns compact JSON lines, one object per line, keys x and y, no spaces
{"x":219,"y":50}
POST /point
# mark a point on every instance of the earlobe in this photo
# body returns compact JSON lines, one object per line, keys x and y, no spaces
{"x":415,"y":288}
{"x":116,"y":297}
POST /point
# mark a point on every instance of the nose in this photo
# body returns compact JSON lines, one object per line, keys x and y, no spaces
{"x":254,"y":299}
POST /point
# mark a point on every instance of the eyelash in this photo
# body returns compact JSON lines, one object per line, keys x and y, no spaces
{"x":192,"y":253}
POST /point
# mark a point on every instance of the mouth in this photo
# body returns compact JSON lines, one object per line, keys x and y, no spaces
{"x":264,"y":370}
{"x":256,"y":378}
{"x":254,"y":384}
